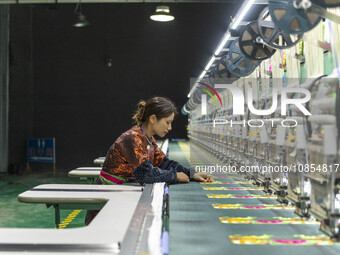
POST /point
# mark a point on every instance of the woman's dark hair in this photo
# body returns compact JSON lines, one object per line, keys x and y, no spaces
{"x":160,"y":106}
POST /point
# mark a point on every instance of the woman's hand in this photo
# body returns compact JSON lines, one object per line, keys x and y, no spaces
{"x":182,"y":177}
{"x":203,"y":177}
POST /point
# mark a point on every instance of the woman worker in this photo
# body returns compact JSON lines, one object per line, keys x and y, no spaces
{"x":135,"y":155}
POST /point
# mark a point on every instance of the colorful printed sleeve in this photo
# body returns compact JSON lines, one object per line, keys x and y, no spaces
{"x":131,"y":146}
{"x":124,"y":156}
{"x":116,"y":164}
{"x":168,"y":164}
{"x":147,"y":173}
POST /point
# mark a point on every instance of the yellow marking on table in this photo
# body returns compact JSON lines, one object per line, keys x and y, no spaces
{"x":226,"y":188}
{"x":271,"y":240}
{"x":256,"y":207}
{"x":240,"y":196}
{"x":257,"y":220}
{"x":226,"y":182}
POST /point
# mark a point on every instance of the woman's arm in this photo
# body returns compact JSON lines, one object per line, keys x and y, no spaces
{"x":168,"y":163}
{"x":200,"y":177}
{"x":147,"y":173}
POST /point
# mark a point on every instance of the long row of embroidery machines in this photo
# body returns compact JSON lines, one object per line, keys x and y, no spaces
{"x":268,"y":107}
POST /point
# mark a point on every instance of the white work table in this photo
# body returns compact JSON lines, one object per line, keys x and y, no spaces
{"x":102,"y":235}
{"x":89,"y":168}
{"x":99,"y":161}
{"x":88,"y":174}
{"x":76,"y":194}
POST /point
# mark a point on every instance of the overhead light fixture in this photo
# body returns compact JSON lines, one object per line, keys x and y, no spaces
{"x":222,"y":44}
{"x":209,"y":64}
{"x":81,"y":20}
{"x":246,"y":8}
{"x":162,"y":14}
{"x":193,"y":88}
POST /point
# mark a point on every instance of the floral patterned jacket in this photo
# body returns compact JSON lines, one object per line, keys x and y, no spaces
{"x":132,"y":157}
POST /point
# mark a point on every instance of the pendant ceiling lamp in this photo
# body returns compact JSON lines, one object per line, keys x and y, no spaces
{"x":162,"y":14}
{"x":81,"y":20}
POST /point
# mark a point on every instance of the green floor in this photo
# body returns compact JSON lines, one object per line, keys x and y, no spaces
{"x":14,"y":214}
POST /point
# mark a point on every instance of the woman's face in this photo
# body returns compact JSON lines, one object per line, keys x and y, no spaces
{"x":162,"y":126}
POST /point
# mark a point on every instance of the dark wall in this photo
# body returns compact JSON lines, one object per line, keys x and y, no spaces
{"x":20,"y":83}
{"x":62,"y":87}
